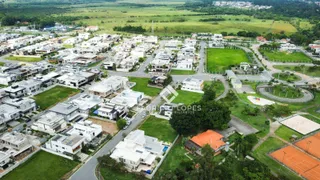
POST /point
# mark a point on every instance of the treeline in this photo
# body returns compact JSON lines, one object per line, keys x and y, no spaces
{"x":212,"y":19}
{"x":130,"y":29}
{"x":41,"y":22}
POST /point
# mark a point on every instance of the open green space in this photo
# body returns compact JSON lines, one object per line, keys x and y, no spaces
{"x":290,"y":77}
{"x":175,"y":156}
{"x":261,"y":153}
{"x":2,"y":63}
{"x":286,"y":133}
{"x":109,"y":174}
{"x":187,"y":97}
{"x":24,"y":59}
{"x":142,"y":86}
{"x":42,"y":166}
{"x":312,"y":118}
{"x":286,"y":92}
{"x":310,"y":71}
{"x":53,"y":96}
{"x":219,"y":60}
{"x":159,"y":128}
{"x":285,"y":56}
{"x":182,"y":72}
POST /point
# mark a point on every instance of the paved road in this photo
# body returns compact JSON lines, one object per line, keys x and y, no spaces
{"x":242,"y":126}
{"x":87,"y":171}
{"x":202,"y":54}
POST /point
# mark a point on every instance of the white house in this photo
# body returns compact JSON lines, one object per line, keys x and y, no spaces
{"x":128,"y":98}
{"x":235,"y":81}
{"x":193,"y":85}
{"x":8,"y":113}
{"x":15,"y":91}
{"x":31,"y":86}
{"x":85,"y":102}
{"x":15,"y":143}
{"x":109,"y":86}
{"x":76,"y":79}
{"x":138,"y":151}
{"x":66,"y":145}
{"x":288,"y":47}
{"x":5,"y":159}
{"x":24,"y":105}
{"x":86,"y":129}
{"x":111,"y":111}
{"x":67,"y":110}
{"x":49,"y":123}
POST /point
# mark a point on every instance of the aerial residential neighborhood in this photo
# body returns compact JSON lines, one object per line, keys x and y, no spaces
{"x":117,"y":89}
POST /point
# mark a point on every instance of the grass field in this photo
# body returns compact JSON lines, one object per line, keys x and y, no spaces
{"x":175,"y":156}
{"x":312,"y":118}
{"x":286,"y":92}
{"x":24,"y":59}
{"x":42,"y":166}
{"x":286,"y":133}
{"x":187,"y":97}
{"x":310,"y":71}
{"x":261,"y":153}
{"x":182,"y":72}
{"x":219,"y":60}
{"x":53,"y":96}
{"x":286,"y":77}
{"x":159,"y":128}
{"x":2,"y":63}
{"x":142,"y":86}
{"x":286,"y":57}
{"x":109,"y":174}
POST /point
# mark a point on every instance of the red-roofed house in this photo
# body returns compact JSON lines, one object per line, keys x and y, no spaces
{"x":210,"y":137}
{"x":261,"y":39}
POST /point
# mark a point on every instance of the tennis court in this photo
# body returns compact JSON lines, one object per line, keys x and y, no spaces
{"x":300,"y":162}
{"x":311,"y":145}
{"x":301,"y":124}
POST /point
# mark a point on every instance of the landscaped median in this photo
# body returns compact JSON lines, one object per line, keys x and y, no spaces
{"x":53,"y":96}
{"x":40,"y":166}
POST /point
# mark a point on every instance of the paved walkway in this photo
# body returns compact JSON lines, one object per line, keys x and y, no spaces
{"x":273,"y":127}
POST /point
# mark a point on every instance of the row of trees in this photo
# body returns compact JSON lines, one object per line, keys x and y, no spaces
{"x":130,"y":29}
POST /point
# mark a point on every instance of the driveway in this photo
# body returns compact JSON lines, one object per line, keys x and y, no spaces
{"x":241,"y":126}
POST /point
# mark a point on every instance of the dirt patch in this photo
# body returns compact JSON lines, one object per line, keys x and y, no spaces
{"x":107,"y":126}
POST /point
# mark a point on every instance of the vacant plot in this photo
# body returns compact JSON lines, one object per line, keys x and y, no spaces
{"x":310,"y":71}
{"x":42,"y":166}
{"x":107,"y":127}
{"x":142,"y":86}
{"x":53,"y":96}
{"x":261,"y":153}
{"x":302,"y":163}
{"x":301,"y":124}
{"x":109,"y":174}
{"x":187,"y":97}
{"x":182,"y":72}
{"x":286,"y":133}
{"x":159,"y":128}
{"x":219,"y":60}
{"x":286,"y":77}
{"x":24,"y":59}
{"x":311,"y":145}
{"x":285,"y":56}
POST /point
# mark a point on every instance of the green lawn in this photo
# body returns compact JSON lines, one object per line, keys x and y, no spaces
{"x":108,"y":174}
{"x":53,"y":96}
{"x":159,"y":128}
{"x":286,"y":57}
{"x":42,"y":166}
{"x":219,"y":60}
{"x":68,"y":46}
{"x":175,"y":156}
{"x":286,"y":92}
{"x":94,"y":64}
{"x":2,"y":63}
{"x":24,"y":59}
{"x":182,"y":72}
{"x":312,"y":118}
{"x":286,"y":133}
{"x":187,"y":97}
{"x":286,"y":77}
{"x":310,"y":71}
{"x":261,"y":153}
{"x":142,"y":86}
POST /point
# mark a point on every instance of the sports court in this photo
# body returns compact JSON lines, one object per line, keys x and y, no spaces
{"x":311,"y":145}
{"x":301,"y":124}
{"x":300,"y":162}
{"x":260,"y":101}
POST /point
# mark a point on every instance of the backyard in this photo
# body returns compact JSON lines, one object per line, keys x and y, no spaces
{"x":24,"y":59}
{"x":285,"y":56}
{"x":261,"y":153}
{"x":53,"y":96}
{"x":159,"y":128}
{"x":142,"y":86}
{"x":219,"y":60}
{"x":42,"y":166}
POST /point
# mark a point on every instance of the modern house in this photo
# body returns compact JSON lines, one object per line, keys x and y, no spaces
{"x":235,"y":81}
{"x":193,"y":85}
{"x":76,"y":79}
{"x":15,"y":144}
{"x":31,"y":86}
{"x":65,"y":145}
{"x":8,"y":113}
{"x":128,"y":98}
{"x":111,"y":111}
{"x":210,"y":137}
{"x":138,"y":151}
{"x":86,"y":129}
{"x":15,"y":91}
{"x":85,"y":102}
{"x":50,"y":123}
{"x":67,"y":110}
{"x":109,"y":86}
{"x":24,"y":105}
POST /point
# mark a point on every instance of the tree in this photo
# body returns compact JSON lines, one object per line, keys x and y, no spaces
{"x":209,"y":93}
{"x":167,"y":81}
{"x":121,"y":123}
{"x":183,"y":121}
